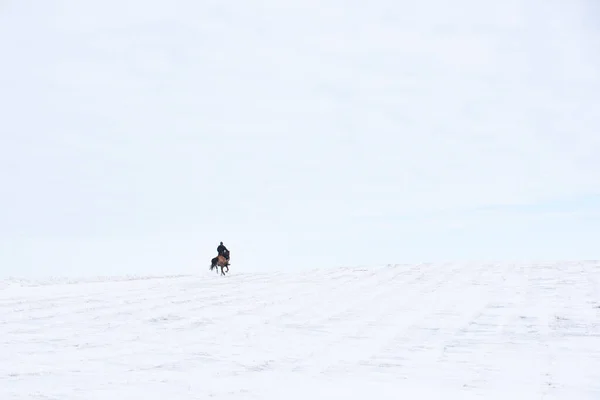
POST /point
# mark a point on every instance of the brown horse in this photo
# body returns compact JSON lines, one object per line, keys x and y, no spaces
{"x":219,"y":261}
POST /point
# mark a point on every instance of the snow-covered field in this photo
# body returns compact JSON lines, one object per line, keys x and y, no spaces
{"x":452,"y":331}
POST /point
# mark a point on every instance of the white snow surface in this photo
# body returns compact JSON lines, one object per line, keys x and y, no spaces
{"x":427,"y":331}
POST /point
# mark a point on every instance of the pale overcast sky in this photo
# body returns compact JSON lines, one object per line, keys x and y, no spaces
{"x":135,"y":135}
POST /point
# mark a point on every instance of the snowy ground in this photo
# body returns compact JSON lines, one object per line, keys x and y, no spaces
{"x":422,"y":331}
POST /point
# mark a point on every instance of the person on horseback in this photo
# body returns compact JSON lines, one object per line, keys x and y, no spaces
{"x":223,"y":251}
{"x":221,"y":260}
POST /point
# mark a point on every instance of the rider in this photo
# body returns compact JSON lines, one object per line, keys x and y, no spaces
{"x":223,"y":251}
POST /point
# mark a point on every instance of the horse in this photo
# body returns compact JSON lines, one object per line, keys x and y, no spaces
{"x":219,"y":261}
